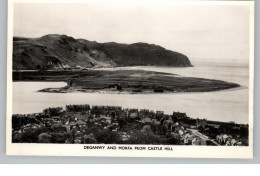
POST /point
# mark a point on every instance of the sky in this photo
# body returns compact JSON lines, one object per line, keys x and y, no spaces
{"x":201,"y":32}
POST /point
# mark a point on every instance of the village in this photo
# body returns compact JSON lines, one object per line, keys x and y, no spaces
{"x":82,"y":124}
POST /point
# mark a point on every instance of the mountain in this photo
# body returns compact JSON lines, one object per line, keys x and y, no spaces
{"x":60,"y":51}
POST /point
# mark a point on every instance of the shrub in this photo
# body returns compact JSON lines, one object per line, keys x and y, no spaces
{"x":108,"y":137}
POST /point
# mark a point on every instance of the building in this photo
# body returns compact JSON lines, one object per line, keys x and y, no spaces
{"x":78,"y":108}
{"x":52,"y":111}
{"x":179,"y":116}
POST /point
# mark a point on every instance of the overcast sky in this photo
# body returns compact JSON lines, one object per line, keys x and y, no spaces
{"x":198,"y":31}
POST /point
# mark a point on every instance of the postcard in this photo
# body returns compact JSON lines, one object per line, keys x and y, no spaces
{"x":130,"y":78}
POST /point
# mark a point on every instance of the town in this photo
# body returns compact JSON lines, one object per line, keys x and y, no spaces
{"x":83,"y":124}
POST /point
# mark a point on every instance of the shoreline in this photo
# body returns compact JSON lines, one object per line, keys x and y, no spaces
{"x":124,"y":81}
{"x":104,"y":91}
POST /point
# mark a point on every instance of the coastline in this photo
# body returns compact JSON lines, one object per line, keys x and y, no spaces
{"x":124,"y":81}
{"x":104,"y":91}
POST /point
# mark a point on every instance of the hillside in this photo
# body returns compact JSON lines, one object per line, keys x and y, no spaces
{"x":60,"y":51}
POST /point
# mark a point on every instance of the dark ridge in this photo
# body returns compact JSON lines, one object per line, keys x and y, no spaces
{"x":67,"y":52}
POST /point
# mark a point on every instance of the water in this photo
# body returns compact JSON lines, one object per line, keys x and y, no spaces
{"x":227,"y":105}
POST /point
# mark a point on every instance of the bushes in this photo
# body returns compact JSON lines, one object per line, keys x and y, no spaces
{"x":175,"y":140}
{"x":97,"y":134}
{"x":108,"y":137}
{"x":59,"y":137}
{"x":31,"y":135}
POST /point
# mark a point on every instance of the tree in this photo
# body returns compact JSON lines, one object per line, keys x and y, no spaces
{"x":108,"y":137}
{"x":31,"y":134}
{"x":174,"y":139}
{"x":59,"y":137}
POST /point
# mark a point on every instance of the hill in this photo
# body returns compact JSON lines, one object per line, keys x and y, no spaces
{"x":60,"y":51}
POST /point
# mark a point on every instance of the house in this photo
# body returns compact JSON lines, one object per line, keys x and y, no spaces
{"x":106,"y":110}
{"x":179,"y":116}
{"x":52,"y":111}
{"x":78,"y":108}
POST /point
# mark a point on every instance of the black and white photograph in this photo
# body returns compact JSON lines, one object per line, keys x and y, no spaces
{"x":130,"y":78}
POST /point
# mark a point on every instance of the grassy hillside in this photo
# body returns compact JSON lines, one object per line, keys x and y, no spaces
{"x":60,"y":51}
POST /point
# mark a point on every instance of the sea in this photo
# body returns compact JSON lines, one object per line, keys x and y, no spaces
{"x":226,"y":105}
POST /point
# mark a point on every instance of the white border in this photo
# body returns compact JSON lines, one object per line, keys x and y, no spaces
{"x":78,"y":149}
